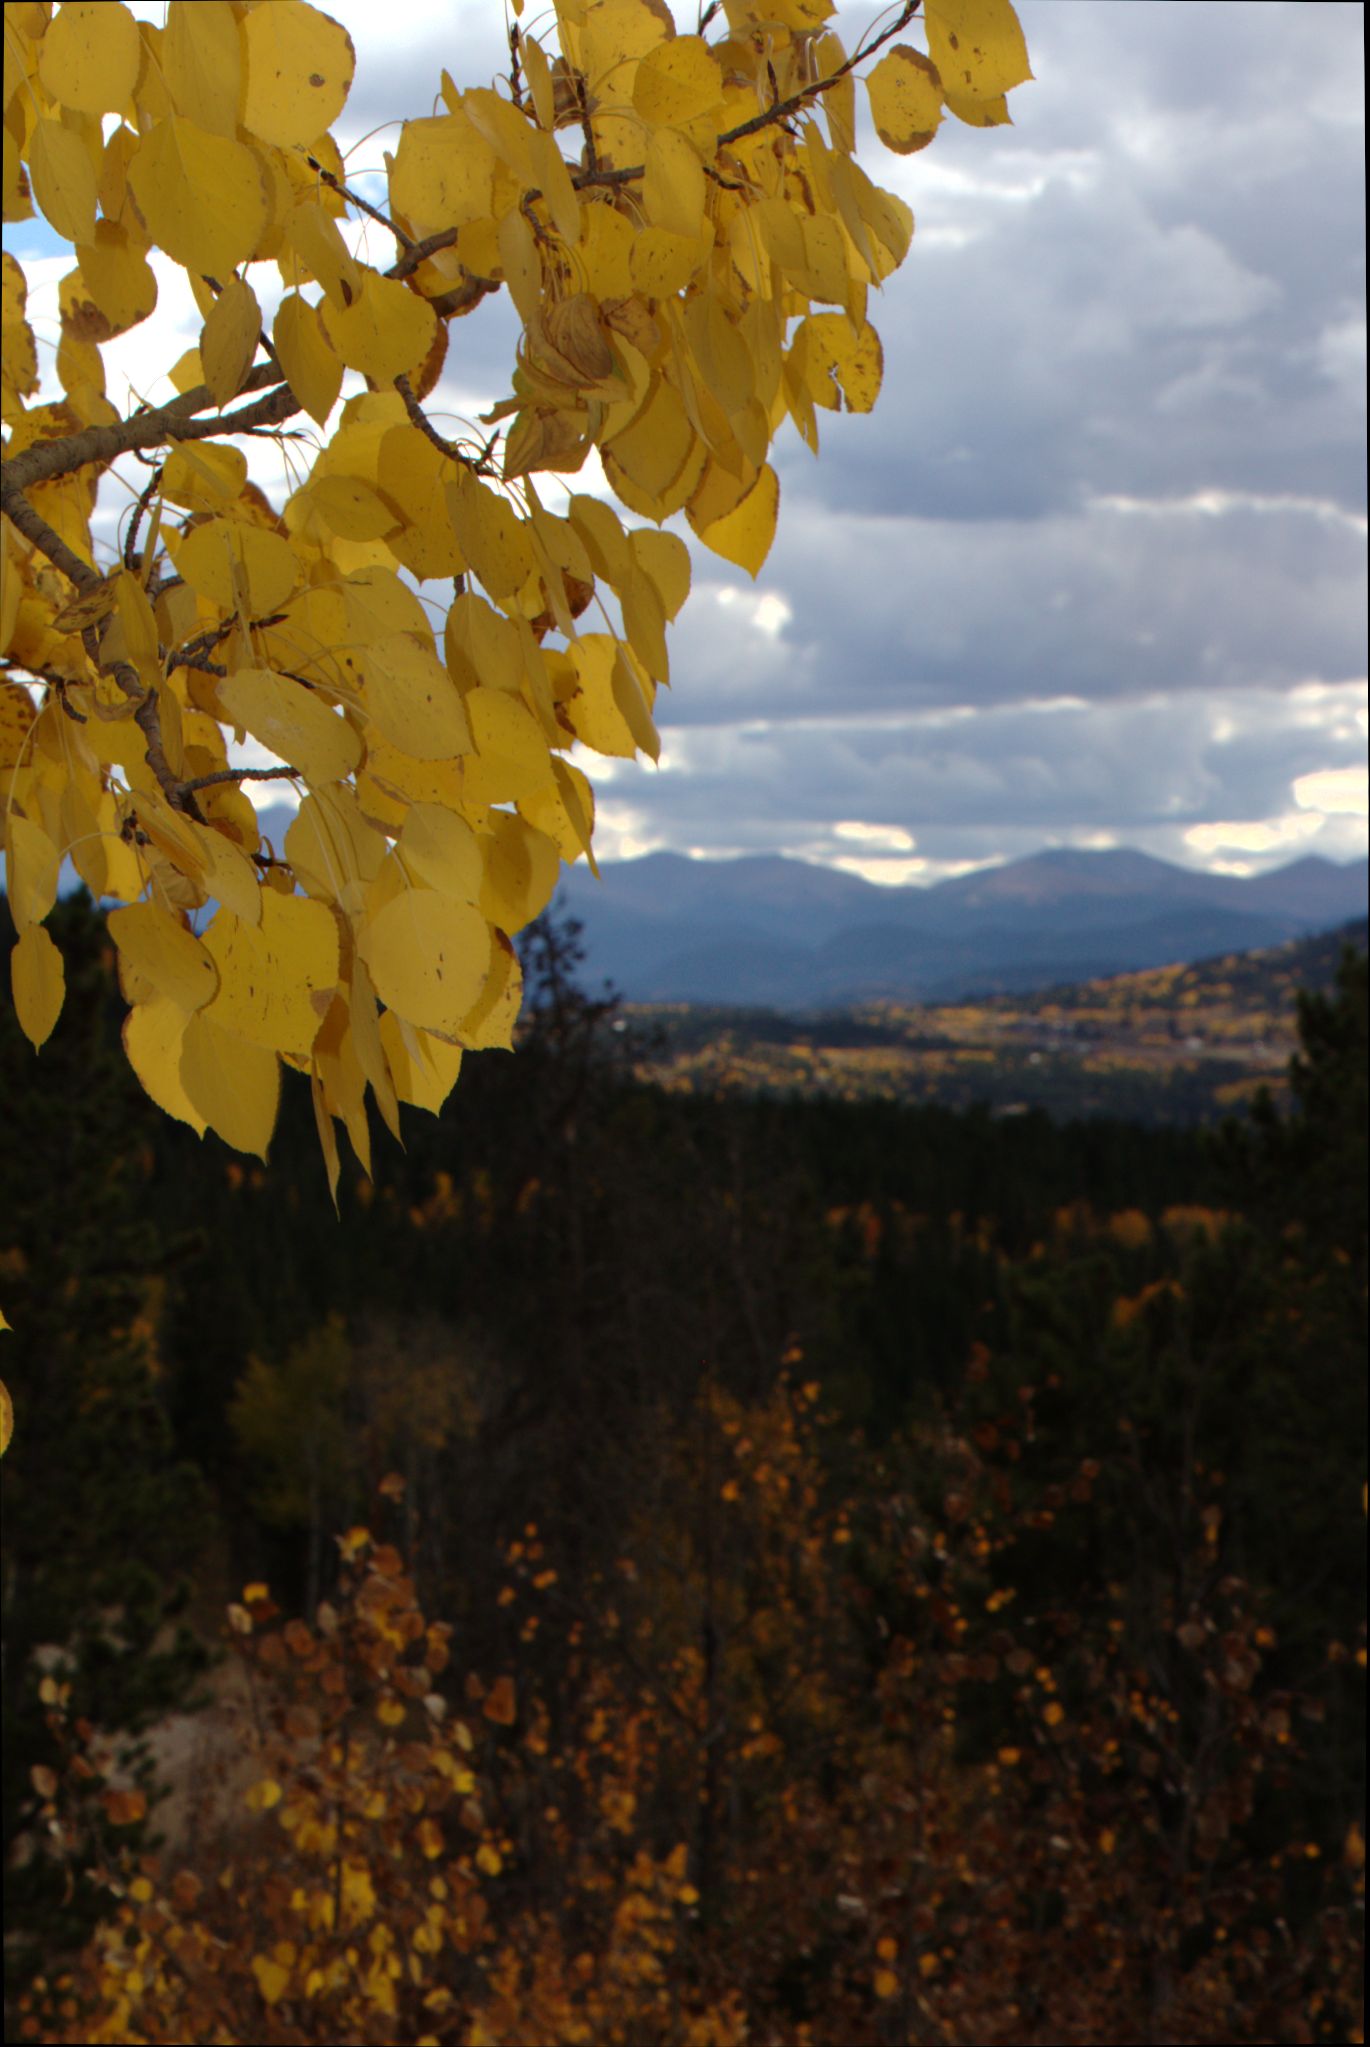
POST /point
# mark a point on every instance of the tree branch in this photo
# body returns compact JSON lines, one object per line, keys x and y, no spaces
{"x":237,"y":775}
{"x":148,"y":428}
{"x":781,"y":111}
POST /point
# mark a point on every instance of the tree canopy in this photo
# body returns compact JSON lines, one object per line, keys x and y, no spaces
{"x":429,"y":625}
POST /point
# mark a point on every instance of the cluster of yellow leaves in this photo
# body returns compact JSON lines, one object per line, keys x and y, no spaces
{"x":694,"y":275}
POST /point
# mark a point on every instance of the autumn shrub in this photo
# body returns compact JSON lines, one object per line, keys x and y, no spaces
{"x":828,"y":1756}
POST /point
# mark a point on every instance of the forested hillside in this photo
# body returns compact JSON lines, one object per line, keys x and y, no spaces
{"x":1185,"y":1043}
{"x":710,"y":1569}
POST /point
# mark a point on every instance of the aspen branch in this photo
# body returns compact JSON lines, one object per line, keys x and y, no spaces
{"x":149,"y":427}
{"x":770,"y":116}
{"x":237,"y":775}
{"x":362,"y":205}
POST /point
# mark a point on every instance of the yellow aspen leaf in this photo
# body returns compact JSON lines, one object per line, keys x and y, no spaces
{"x":227,"y":556}
{"x":885,"y":1983}
{"x":331,"y":846}
{"x":18,"y":204}
{"x":312,"y":365}
{"x":906,"y":99}
{"x":229,"y":875}
{"x":489,"y":1026}
{"x":260,"y":1797}
{"x":443,"y":170}
{"x":664,"y":558}
{"x":203,"y":476}
{"x":521,"y":866}
{"x":522,"y":266}
{"x":313,"y":235}
{"x":603,"y":535}
{"x":424,"y":1068}
{"x":511,"y":757}
{"x":386,"y":332}
{"x":979,"y":113}
{"x":824,"y":274}
{"x":553,"y":177}
{"x":842,"y":360}
{"x":928,"y":1964}
{"x":482,"y":647}
{"x":38,"y":980}
{"x":504,"y":127}
{"x":606,"y":245}
{"x":276,"y":981}
{"x":652,"y":452}
{"x":977,"y":46}
{"x":428,"y":956}
{"x":273,"y":1978}
{"x":299,"y":65}
{"x":564,"y":810}
{"x":644,"y":625}
{"x":155,"y":945}
{"x":154,"y":1036}
{"x":389,"y":1710}
{"x":140,"y":627}
{"x":633,"y":697}
{"x":90,"y":55}
{"x":491,"y":536}
{"x":201,"y":58}
{"x":723,"y":357}
{"x":229,"y":340}
{"x":441,"y":852}
{"x":664,"y":263}
{"x":430,"y":1838}
{"x":113,"y":290}
{"x":592,"y":710}
{"x":572,"y":326}
{"x":32,"y":866}
{"x":233,"y":1084}
{"x":63,"y":180}
{"x":349,"y":507}
{"x":679,"y":85}
{"x":1054,"y":1713}
{"x":412,"y":700}
{"x":414,"y":475}
{"x":489,"y":1861}
{"x":744,"y":535}
{"x":323,"y":1108}
{"x":673,"y":184}
{"x":202,"y":196}
{"x":6,"y":1409}
{"x":291,"y":722}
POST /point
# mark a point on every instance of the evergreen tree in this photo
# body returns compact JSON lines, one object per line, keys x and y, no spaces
{"x":101,"y":1517}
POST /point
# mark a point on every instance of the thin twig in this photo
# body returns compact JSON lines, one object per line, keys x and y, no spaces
{"x":424,"y":423}
{"x":139,"y":512}
{"x":237,"y":775}
{"x":362,"y":205}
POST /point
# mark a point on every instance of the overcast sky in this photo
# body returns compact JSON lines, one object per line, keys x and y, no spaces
{"x":1093,"y":572}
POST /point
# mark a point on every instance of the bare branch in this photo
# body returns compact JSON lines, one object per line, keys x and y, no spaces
{"x":237,"y":775}
{"x":150,"y":427}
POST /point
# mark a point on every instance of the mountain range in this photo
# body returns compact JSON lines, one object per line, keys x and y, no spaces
{"x":791,"y":935}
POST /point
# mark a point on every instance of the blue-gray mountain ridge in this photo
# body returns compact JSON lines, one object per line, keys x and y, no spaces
{"x":791,"y":935}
